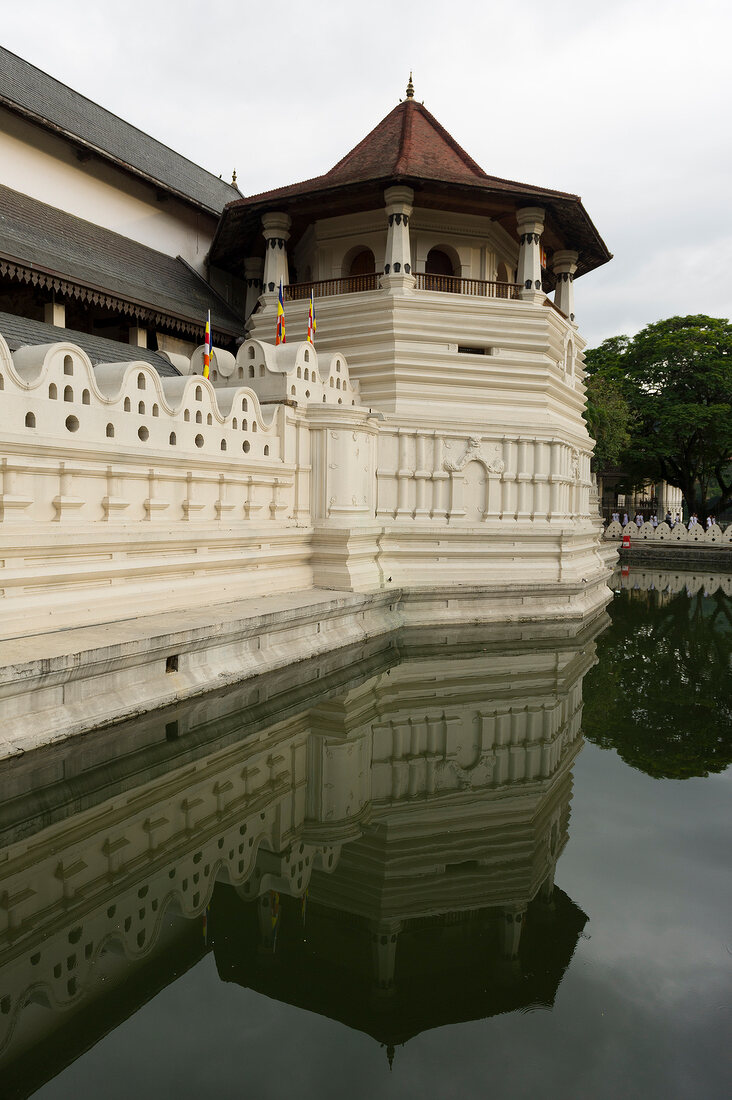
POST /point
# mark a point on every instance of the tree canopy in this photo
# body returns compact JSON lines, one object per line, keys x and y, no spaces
{"x":676,"y":377}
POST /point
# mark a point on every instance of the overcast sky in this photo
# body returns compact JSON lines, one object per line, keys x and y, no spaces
{"x":624,"y":102}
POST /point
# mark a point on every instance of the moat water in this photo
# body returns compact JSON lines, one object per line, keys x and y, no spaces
{"x":462,"y":864}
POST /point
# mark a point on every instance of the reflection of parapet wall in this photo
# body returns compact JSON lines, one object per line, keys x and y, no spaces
{"x":648,"y":579}
{"x":263,"y":808}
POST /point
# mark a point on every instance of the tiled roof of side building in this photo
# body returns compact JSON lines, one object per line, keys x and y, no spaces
{"x":33,"y":93}
{"x":50,"y":240}
{"x":20,"y":332}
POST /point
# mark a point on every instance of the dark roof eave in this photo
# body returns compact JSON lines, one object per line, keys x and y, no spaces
{"x":158,"y":184}
{"x":194,"y":322}
{"x":286,"y":198}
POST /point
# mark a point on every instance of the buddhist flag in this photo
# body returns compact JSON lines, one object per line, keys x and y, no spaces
{"x":280,"y":334}
{"x":207,"y":347}
{"x":542,"y":252}
{"x":311,"y":321}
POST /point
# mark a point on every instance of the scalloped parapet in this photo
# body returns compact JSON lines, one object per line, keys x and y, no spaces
{"x":296,"y":373}
{"x":697,"y":534}
{"x":53,"y":391}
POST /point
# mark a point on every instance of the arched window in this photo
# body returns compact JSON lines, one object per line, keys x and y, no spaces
{"x":439,"y":271}
{"x":503,"y":275}
{"x":363,"y":263}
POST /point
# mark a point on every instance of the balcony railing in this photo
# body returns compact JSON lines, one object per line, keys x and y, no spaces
{"x":325,"y":288}
{"x":482,"y":288}
{"x":444,"y":284}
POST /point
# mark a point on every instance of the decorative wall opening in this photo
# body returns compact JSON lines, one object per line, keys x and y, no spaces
{"x":439,"y":263}
{"x":68,"y":365}
{"x":68,"y":393}
{"x":187,"y":415}
{"x":72,"y":424}
{"x":503,"y":275}
{"x":246,"y":446}
{"x":363,"y":263}
{"x":85,"y":397}
{"x":143,"y":434}
{"x":474,"y":490}
{"x":172,"y":439}
{"x":198,"y":441}
{"x":110,"y":431}
{"x":141,"y":407}
{"x":30,"y":420}
{"x":141,"y":381}
{"x":199,"y":393}
{"x":127,"y":406}
{"x":52,"y":392}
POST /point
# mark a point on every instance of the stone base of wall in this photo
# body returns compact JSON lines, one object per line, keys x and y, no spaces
{"x":670,"y":554}
{"x":55,"y":686}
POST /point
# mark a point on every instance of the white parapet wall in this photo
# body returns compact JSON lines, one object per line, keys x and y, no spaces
{"x":696,"y":535}
{"x":125,"y":493}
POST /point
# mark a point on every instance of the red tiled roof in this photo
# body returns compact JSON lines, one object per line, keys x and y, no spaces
{"x":410,"y":144}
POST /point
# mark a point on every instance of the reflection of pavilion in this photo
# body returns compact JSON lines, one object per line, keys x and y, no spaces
{"x":421,"y":805}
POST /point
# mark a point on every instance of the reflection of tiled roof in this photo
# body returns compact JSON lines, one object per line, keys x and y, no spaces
{"x":411,"y":144}
{"x":36,"y":95}
{"x":34,"y":235}
{"x":20,"y":332}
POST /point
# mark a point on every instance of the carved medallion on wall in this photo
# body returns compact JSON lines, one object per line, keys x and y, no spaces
{"x":475,"y":452}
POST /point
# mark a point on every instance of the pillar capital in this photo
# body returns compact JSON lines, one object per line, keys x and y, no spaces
{"x":530,"y":219}
{"x":276,"y":225}
{"x":564,"y":261}
{"x":399,"y":200}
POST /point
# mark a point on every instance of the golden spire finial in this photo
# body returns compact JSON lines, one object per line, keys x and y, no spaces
{"x":410,"y":88}
{"x":233,"y":178}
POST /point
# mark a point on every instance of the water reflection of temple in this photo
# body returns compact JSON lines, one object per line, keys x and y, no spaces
{"x":374,"y":840}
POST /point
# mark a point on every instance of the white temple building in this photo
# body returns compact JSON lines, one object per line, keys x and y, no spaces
{"x":427,"y":452}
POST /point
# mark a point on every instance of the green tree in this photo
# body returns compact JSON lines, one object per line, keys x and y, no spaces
{"x":608,"y":420}
{"x":676,"y":376}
